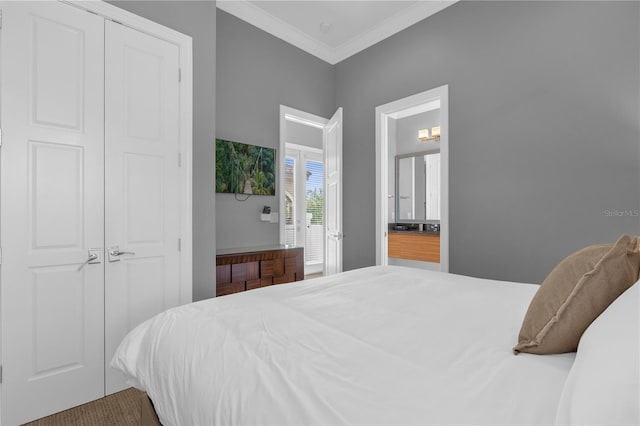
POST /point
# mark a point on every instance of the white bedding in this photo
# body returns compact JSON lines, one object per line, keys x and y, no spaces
{"x":379,"y":345}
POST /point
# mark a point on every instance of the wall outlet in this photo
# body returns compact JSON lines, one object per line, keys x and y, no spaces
{"x":274,"y":217}
{"x":265,"y":217}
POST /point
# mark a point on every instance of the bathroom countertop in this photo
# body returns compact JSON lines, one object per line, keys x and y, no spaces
{"x":413,"y":231}
{"x":412,"y":228}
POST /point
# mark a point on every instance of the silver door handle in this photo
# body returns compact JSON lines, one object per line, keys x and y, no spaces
{"x":114,"y":253}
{"x":94,"y":257}
{"x":118,"y":253}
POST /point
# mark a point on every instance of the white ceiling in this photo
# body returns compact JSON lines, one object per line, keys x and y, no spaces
{"x":332,"y":30}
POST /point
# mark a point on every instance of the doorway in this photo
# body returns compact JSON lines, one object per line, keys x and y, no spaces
{"x":304,"y":204}
{"x":387,"y":159}
{"x":310,"y":159}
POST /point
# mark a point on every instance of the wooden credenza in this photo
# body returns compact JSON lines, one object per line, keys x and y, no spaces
{"x":253,"y":267}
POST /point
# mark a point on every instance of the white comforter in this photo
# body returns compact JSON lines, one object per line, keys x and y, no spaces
{"x":380,"y":345}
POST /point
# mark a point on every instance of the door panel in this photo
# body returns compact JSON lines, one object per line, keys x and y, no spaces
{"x":142,"y":177}
{"x":56,"y":195}
{"x":142,"y":93}
{"x":332,"y":140}
{"x":57,"y":51}
{"x":144,"y":182}
{"x":53,"y":287}
{"x":145,"y":282}
{"x":52,"y":209}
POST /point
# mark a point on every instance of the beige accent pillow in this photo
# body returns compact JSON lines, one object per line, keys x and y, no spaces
{"x":576,"y":291}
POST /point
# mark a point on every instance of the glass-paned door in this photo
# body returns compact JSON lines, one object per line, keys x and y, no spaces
{"x":304,"y":205}
{"x":314,"y":239}
{"x":290,"y":162}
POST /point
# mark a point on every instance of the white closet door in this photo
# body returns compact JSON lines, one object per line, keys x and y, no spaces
{"x":52,"y":208}
{"x":142,"y":216}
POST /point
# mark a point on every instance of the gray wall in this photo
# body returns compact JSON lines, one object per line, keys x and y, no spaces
{"x":257,"y":72}
{"x":198,"y":20}
{"x":544,"y":129}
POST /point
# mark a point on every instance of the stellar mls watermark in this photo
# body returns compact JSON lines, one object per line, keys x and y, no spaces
{"x":622,"y":213}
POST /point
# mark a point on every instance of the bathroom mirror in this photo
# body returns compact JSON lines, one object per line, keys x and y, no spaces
{"x":418,"y":187}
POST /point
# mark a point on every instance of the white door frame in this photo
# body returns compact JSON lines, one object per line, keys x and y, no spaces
{"x":383,"y":113}
{"x":296,"y":116}
{"x":185,"y":159}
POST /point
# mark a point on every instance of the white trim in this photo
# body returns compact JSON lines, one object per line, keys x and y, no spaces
{"x":275,"y":26}
{"x":305,"y":122}
{"x":297,"y":116}
{"x":184,"y":44}
{"x":114,"y":13}
{"x":303,"y":148}
{"x":417,"y":109}
{"x":260,"y":18}
{"x":186,"y":155}
{"x":383,"y":113}
{"x":390,"y":26}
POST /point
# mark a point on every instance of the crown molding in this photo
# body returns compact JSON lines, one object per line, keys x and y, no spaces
{"x":390,"y":26}
{"x":258,"y":17}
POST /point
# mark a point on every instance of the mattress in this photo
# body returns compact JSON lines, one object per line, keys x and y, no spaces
{"x":379,"y":345}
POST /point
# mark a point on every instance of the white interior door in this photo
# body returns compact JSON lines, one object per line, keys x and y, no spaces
{"x":142,"y":217}
{"x":52,"y":209}
{"x":332,"y":147}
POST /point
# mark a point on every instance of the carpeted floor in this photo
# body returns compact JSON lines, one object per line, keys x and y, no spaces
{"x":119,"y":409}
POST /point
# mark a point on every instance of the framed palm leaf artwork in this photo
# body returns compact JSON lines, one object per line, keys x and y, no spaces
{"x":245,"y":169}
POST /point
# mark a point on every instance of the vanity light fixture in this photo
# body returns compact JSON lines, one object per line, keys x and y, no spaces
{"x":423,"y":134}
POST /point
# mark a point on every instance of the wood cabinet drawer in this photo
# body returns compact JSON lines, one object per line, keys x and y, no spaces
{"x":414,"y":246}
{"x":252,"y":284}
{"x":290,"y":265}
{"x":229,"y":288}
{"x":223,"y":274}
{"x":245,"y":271}
{"x":271,"y":268}
{"x":287,"y":278}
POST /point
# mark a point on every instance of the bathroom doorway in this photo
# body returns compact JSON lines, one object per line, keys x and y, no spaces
{"x":412,"y":181}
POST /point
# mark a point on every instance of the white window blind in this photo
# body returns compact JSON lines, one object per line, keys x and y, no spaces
{"x":314,"y":247}
{"x":290,"y":200}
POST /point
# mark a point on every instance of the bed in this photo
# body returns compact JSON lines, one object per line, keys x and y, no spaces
{"x":379,"y":345}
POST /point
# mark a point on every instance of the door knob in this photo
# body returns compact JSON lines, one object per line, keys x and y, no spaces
{"x":115,"y":253}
